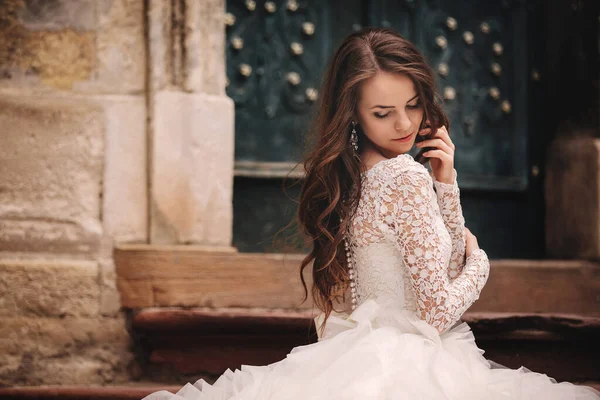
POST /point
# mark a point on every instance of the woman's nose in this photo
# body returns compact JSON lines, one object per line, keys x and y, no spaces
{"x":403,"y":123}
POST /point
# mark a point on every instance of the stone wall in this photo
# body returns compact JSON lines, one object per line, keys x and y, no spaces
{"x":109,"y":135}
{"x":73,"y":156}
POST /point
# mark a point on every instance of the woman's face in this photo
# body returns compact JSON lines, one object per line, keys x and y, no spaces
{"x":389,"y":109}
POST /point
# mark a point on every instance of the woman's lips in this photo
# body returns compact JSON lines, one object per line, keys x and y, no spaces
{"x":405,"y":139}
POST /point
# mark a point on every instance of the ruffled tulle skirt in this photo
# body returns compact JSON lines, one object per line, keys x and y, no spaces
{"x":383,"y":353}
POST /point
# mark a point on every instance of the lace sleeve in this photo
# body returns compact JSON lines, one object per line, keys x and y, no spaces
{"x":448,"y":197}
{"x":405,"y":209}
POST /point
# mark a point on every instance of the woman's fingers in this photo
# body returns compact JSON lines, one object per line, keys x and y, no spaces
{"x":439,"y":143}
{"x":443,"y":134}
{"x":442,"y":155}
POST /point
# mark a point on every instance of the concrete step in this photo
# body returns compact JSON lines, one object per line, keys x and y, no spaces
{"x":194,"y":341}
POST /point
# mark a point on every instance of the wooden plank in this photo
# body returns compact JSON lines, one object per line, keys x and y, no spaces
{"x":149,"y":262}
{"x":138,"y":293}
{"x":215,"y":291}
{"x":191,"y":277}
{"x":541,"y":287}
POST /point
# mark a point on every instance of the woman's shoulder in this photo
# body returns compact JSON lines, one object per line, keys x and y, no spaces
{"x":401,"y":165}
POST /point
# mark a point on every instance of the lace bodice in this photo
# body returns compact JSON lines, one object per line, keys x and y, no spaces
{"x":408,"y":243}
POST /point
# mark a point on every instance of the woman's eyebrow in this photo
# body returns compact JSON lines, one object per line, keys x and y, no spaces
{"x":380,"y":106}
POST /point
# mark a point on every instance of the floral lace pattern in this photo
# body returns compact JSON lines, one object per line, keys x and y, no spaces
{"x":408,"y":243}
{"x":448,"y":197}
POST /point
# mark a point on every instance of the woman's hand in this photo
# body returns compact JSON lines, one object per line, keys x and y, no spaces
{"x":441,"y":159}
{"x":471,"y":242}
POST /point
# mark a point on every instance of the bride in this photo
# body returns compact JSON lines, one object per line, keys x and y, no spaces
{"x":398,"y":248}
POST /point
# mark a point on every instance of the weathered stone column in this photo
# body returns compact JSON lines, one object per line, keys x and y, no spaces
{"x":72,"y":181}
{"x":191,"y":125}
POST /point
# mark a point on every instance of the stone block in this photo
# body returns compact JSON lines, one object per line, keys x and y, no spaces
{"x":187,"y":46}
{"x":159,"y":38}
{"x":49,"y":288}
{"x":573,"y":198}
{"x":81,"y":45}
{"x":205,"y":47}
{"x":125,"y":196}
{"x":192,"y":169}
{"x":120,"y":48}
{"x":110,"y":300}
{"x":53,"y":351}
{"x":52,"y":151}
{"x":58,"y":14}
{"x":48,"y":42}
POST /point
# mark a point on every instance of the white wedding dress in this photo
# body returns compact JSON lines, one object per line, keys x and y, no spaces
{"x":404,"y":338}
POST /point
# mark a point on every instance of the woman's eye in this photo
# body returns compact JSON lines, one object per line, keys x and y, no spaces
{"x":380,"y":116}
{"x":416,"y":105}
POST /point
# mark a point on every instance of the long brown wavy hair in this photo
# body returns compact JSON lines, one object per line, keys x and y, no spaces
{"x":331,"y":188}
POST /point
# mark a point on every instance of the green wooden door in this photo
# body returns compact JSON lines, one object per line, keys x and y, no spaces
{"x":487,"y":57}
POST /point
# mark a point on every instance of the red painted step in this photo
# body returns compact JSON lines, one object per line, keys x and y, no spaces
{"x":195,"y":342}
{"x":82,"y":393}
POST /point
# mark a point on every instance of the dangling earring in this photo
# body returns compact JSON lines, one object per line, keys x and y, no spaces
{"x":354,"y":139}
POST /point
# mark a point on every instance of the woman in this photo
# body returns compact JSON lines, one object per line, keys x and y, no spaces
{"x":400,"y":249}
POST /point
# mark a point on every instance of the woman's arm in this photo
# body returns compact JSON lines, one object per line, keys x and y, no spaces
{"x":448,"y":198}
{"x":407,"y":212}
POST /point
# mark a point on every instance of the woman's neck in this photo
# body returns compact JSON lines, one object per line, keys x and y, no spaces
{"x":370,"y":155}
